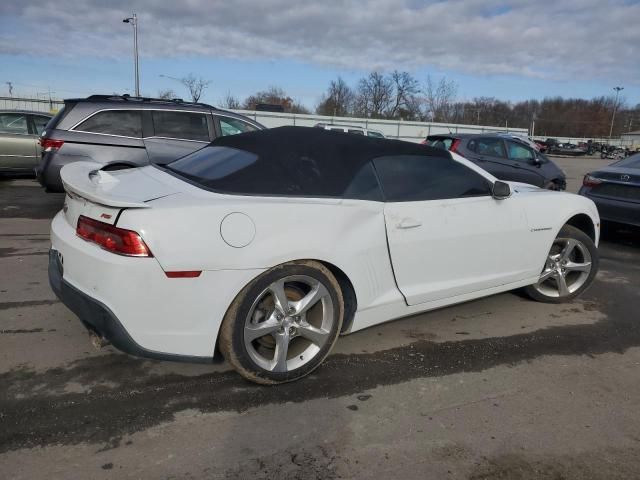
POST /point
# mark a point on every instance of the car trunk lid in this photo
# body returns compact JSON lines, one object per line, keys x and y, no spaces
{"x":102,"y":195}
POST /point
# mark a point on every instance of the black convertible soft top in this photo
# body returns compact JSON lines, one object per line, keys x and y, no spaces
{"x":302,"y":161}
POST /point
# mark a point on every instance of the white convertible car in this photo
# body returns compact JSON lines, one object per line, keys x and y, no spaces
{"x":264,"y":247}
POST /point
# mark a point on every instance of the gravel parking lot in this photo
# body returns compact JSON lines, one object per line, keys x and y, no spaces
{"x":501,"y":387}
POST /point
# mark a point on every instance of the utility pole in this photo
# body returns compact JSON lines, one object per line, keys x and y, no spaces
{"x":134,"y":21}
{"x":615,"y":106}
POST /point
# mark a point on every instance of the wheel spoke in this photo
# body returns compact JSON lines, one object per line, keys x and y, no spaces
{"x":310,"y":299}
{"x":280,"y":299}
{"x":578,"y":267}
{"x":563,"y":290}
{"x":566,"y":251}
{"x":546,"y":275}
{"x":253,"y":331}
{"x":279,"y":363}
{"x":313,"y":334}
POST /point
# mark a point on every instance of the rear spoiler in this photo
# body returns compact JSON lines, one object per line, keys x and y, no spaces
{"x":88,"y":181}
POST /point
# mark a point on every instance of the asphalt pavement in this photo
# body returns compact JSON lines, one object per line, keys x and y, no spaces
{"x":501,"y":387}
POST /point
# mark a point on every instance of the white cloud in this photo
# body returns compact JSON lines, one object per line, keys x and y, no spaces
{"x":585,"y":39}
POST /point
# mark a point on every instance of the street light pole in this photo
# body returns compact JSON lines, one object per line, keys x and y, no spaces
{"x":134,"y":21}
{"x":615,"y":106}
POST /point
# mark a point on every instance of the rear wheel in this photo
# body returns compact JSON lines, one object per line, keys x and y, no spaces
{"x":569,"y":270}
{"x":283,"y":324}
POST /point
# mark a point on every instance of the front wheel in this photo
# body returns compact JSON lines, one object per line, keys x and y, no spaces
{"x":569,"y":269}
{"x":283,"y":324}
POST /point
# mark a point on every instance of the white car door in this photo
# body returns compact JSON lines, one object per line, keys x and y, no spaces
{"x":447,"y":235}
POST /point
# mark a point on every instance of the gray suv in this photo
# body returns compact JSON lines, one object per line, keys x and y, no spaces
{"x":123,"y":132}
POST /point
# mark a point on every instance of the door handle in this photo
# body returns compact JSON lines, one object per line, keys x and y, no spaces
{"x":406,"y":223}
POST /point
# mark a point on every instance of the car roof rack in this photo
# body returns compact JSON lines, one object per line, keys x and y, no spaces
{"x":145,"y":100}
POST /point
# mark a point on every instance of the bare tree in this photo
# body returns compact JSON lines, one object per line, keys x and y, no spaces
{"x":439,"y":98}
{"x":167,"y":94}
{"x":338,"y":101}
{"x":406,"y":89}
{"x":230,"y":101}
{"x":196,"y":86}
{"x":274,"y":96}
{"x":374,"y":95}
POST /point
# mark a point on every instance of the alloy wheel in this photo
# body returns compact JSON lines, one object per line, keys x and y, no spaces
{"x":288,"y":323}
{"x":566,"y":269}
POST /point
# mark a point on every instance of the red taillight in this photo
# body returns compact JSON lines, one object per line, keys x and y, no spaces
{"x":184,"y":274}
{"x":454,"y":146}
{"x":590,"y":181}
{"x":51,"y":144}
{"x":113,"y":239}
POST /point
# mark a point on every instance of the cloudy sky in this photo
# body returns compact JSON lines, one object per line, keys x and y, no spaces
{"x":511,"y":50}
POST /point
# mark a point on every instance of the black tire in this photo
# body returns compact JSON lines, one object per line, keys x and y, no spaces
{"x":569,"y":232}
{"x":554,"y":185}
{"x":232,"y":332}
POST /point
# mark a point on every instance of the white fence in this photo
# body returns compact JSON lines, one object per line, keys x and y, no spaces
{"x":400,"y":129}
{"x":403,"y":130}
{"x":31,"y":104}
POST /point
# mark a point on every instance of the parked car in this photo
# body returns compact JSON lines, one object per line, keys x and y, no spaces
{"x":264,"y":247}
{"x":616,"y":190}
{"x":504,"y":158}
{"x":542,"y":146}
{"x":19,"y":148}
{"x":123,"y":132}
{"x":351,"y":129}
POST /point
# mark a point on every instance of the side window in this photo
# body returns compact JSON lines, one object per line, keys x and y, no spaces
{"x":519,"y":152}
{"x":181,"y":125}
{"x":372,"y":133}
{"x":126,"y":123}
{"x":357,"y":132}
{"x":408,"y":178}
{"x":492,"y":147}
{"x":39,"y":122}
{"x":14,"y":123}
{"x":233,"y":126}
{"x":337,"y":129}
{"x":364,"y":185}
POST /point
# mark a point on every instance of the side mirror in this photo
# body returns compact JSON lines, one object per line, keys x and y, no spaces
{"x":500,"y":190}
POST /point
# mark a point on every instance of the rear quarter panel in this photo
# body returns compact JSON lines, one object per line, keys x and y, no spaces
{"x":185,"y":234}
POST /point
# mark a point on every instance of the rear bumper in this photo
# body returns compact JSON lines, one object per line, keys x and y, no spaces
{"x":134,"y":305}
{"x":615,"y":210}
{"x":48,"y":173}
{"x":99,"y":319}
